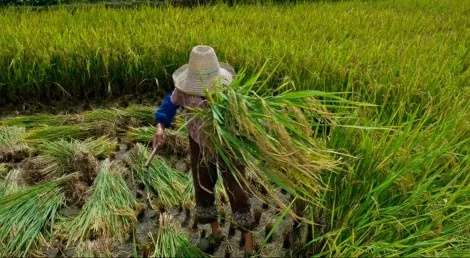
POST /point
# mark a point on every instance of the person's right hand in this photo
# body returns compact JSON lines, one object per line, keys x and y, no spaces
{"x":159,"y":137}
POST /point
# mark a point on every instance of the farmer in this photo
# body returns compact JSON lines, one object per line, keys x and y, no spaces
{"x":204,"y":71}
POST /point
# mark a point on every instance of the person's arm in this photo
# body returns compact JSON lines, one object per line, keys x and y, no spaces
{"x":163,"y":117}
{"x":166,"y":112}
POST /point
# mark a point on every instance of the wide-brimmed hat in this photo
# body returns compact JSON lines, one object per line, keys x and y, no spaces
{"x":202,"y":71}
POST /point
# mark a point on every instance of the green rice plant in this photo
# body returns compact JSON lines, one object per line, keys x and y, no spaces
{"x":248,"y":123}
{"x":171,"y":241}
{"x":108,"y":214}
{"x":170,"y":185}
{"x":12,"y":147}
{"x":51,"y":133}
{"x":176,"y":141}
{"x":142,"y":113}
{"x":27,"y":215}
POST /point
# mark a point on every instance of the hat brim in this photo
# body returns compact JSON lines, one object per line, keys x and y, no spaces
{"x":195,"y":86}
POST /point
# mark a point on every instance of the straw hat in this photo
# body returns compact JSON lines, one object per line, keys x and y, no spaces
{"x":202,"y":71}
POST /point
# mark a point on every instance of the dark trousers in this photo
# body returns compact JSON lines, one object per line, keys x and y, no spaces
{"x":204,"y":174}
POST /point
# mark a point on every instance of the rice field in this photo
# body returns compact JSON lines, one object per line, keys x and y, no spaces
{"x":392,"y":77}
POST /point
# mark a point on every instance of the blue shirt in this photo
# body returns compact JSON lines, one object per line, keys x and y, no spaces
{"x":166,"y":112}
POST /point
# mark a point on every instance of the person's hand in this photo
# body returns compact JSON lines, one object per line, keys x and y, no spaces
{"x":159,"y":137}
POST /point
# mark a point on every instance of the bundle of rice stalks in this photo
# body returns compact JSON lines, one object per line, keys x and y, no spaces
{"x":143,"y":114}
{"x":176,"y":141}
{"x":12,"y":149}
{"x":26,"y":215}
{"x":59,"y":157}
{"x":12,"y":183}
{"x":3,"y":171}
{"x":41,"y":168}
{"x":51,"y":133}
{"x":109,"y":115}
{"x":63,"y":150}
{"x":108,"y":214}
{"x":170,"y":185}
{"x":269,"y":131}
{"x":171,"y":241}
{"x":35,"y":121}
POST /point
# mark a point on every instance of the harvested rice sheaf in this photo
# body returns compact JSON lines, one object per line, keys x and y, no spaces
{"x":12,"y":149}
{"x":108,"y":214}
{"x":176,"y":142}
{"x":27,"y":215}
{"x":171,"y":241}
{"x":52,"y":133}
{"x":270,"y":132}
{"x":143,"y":114}
{"x":170,"y":185}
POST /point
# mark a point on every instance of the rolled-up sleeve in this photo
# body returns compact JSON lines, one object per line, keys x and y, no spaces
{"x":167,"y":111}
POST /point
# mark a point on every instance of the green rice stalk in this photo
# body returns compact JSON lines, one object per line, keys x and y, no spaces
{"x":141,"y":113}
{"x":108,"y":214}
{"x":63,"y":150}
{"x":3,"y":171}
{"x":35,"y":121}
{"x":11,"y":145}
{"x":171,"y":241}
{"x":102,"y":115}
{"x":27,"y":214}
{"x":170,"y":184}
{"x":51,"y":133}
{"x":12,"y":183}
{"x":176,"y":141}
{"x":269,"y":131}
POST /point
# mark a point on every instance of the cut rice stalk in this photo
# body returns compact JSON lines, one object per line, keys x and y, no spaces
{"x":176,"y":141}
{"x":109,"y":115}
{"x":34,"y":121}
{"x":3,"y":171}
{"x":143,"y":114}
{"x":108,"y":214}
{"x":171,"y":241}
{"x":11,"y":146}
{"x":27,"y":214}
{"x":52,"y":133}
{"x":63,"y":150}
{"x":168,"y":183}
{"x":12,"y":183}
{"x":271,"y":129}
{"x":42,"y":168}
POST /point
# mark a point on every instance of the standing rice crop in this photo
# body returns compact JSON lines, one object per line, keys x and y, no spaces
{"x":170,"y":185}
{"x":171,"y":241}
{"x":26,"y":216}
{"x":108,"y":215}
